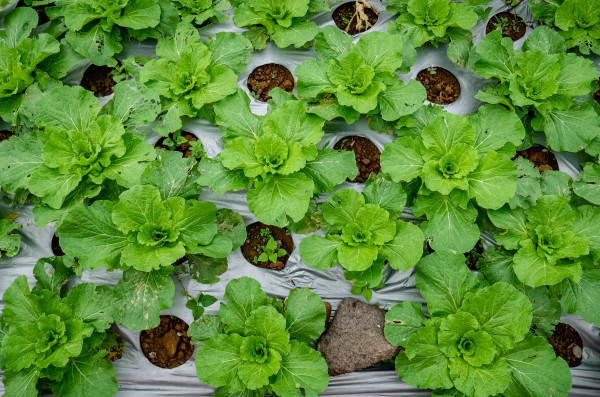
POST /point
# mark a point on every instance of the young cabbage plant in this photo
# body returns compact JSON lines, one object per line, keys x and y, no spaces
{"x":436,"y":22}
{"x":283,"y":21}
{"x":476,"y":342}
{"x":456,"y":164}
{"x":78,"y":149}
{"x":57,"y":338}
{"x":10,"y":242}
{"x":146,"y":231}
{"x":348,"y":79}
{"x":578,"y":21}
{"x":201,"y":12}
{"x":189,"y":76}
{"x":97,"y":29}
{"x":552,"y":243}
{"x":258,"y":344}
{"x":275,"y":157}
{"x":362,"y":233}
{"x":28,"y":65}
{"x":539,"y":82}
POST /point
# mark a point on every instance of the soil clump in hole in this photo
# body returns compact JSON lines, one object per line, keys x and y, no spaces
{"x":355,"y":339}
{"x":352,"y":22}
{"x":367,"y":156}
{"x":268,"y":76}
{"x":567,"y":344}
{"x":168,"y":345}
{"x":185,"y":148}
{"x":99,"y":80}
{"x":511,"y":25}
{"x":4,"y":135}
{"x":257,"y":243}
{"x":539,"y":156}
{"x":442,"y":86}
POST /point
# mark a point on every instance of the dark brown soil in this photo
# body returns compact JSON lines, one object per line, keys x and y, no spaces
{"x":41,"y":11}
{"x":184,"y":148}
{"x":99,"y":80}
{"x":56,"y":249}
{"x":344,"y":15}
{"x":354,"y":339}
{"x":474,"y":255}
{"x":597,"y":93}
{"x":540,"y":156}
{"x":255,"y":240}
{"x":4,"y":135}
{"x":366,"y":154}
{"x":114,"y":345}
{"x":268,"y":76}
{"x":168,"y":345}
{"x":514,"y":27}
{"x":442,"y":86}
{"x":567,"y":344}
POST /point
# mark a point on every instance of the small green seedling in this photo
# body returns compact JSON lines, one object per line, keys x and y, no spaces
{"x":270,"y":252}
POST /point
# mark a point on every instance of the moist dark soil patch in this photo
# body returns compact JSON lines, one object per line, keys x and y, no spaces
{"x":56,"y":249}
{"x":168,"y":345}
{"x":4,"y":135}
{"x":257,"y":238}
{"x":344,"y":15}
{"x":474,"y":255}
{"x":512,"y":25}
{"x":268,"y":76}
{"x":99,"y":80}
{"x":184,"y":147}
{"x":597,"y":93}
{"x":540,"y":156}
{"x":567,"y":344}
{"x":442,"y":86}
{"x":41,"y":11}
{"x":366,"y":154}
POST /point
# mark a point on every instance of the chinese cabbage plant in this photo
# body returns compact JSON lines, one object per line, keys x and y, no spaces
{"x":28,"y":62}
{"x":200,"y":12}
{"x":578,"y":21}
{"x":257,"y":344}
{"x":274,"y":156}
{"x":189,"y":76}
{"x":78,"y":150}
{"x":539,"y":82}
{"x":348,"y":79}
{"x":457,"y":164}
{"x":283,"y":21}
{"x":436,"y":22}
{"x":56,"y":338}
{"x":363,"y":232}
{"x":97,"y":29}
{"x":146,"y":231}
{"x":476,"y":342}
{"x":10,"y":242}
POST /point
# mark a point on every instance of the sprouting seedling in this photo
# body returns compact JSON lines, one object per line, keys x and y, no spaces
{"x":432,"y":70}
{"x":501,"y":23}
{"x":270,"y":252}
{"x":273,"y":75}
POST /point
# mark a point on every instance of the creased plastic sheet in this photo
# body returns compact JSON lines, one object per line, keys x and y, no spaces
{"x":138,"y":377}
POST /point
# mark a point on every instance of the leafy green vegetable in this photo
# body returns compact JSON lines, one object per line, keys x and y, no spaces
{"x":28,"y":63}
{"x":459,"y":162}
{"x":10,"y":243}
{"x":201,"y":11}
{"x":477,"y":340}
{"x":97,"y":29}
{"x":348,"y":79}
{"x":57,"y":339}
{"x":283,"y":21}
{"x":74,"y":155}
{"x":276,"y":155}
{"x":436,"y":22}
{"x":189,"y":76}
{"x":363,"y":231}
{"x":255,"y":346}
{"x":539,"y":83}
{"x":578,"y":21}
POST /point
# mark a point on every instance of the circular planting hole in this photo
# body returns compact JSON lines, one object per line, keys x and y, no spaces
{"x":539,"y":156}
{"x":4,"y":135}
{"x":353,"y":21}
{"x":184,"y":147}
{"x":168,"y":345}
{"x":99,"y":80}
{"x":567,"y":344}
{"x":366,"y":154}
{"x":474,"y":255}
{"x":267,"y":246}
{"x":268,"y":76}
{"x":55,"y":245}
{"x":442,"y":86}
{"x":511,"y":25}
